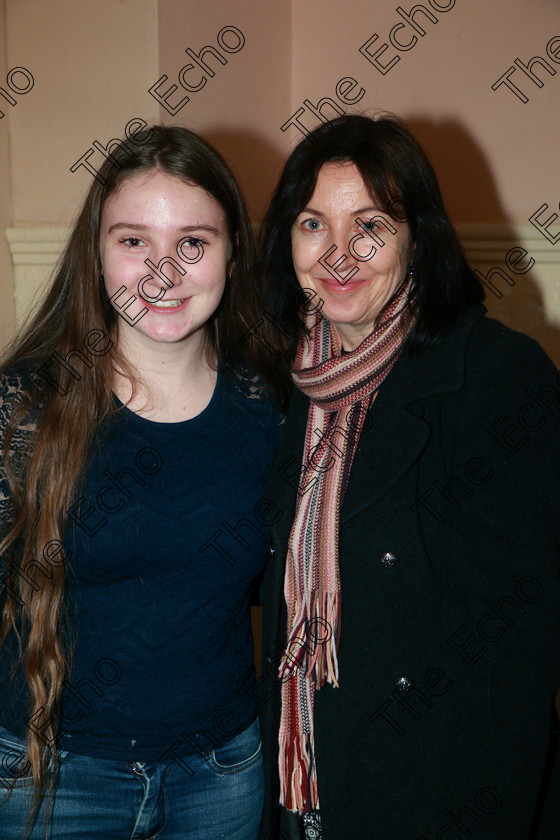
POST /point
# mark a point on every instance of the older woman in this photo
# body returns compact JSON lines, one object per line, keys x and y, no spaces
{"x":412,"y":600}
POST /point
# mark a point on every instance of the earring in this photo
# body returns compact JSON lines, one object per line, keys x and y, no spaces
{"x":411,"y":271}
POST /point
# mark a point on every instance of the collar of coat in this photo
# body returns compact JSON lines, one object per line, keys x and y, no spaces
{"x":438,"y":370}
{"x":395,"y":433}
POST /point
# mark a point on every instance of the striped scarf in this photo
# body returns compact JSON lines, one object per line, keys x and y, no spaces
{"x":341,"y":388}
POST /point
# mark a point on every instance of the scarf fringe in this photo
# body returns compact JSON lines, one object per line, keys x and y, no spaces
{"x":314,"y":641}
{"x":298,"y":786}
{"x":323,"y":663}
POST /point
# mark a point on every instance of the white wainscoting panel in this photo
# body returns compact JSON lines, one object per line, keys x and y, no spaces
{"x":35,"y":252}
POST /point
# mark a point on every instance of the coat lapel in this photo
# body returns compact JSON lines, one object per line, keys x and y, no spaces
{"x":395,"y":433}
{"x":393,"y":439}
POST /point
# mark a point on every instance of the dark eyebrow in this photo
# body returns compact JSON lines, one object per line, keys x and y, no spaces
{"x":142,"y":228}
{"x":370,"y":209}
{"x":193,"y":228}
{"x":311,"y":210}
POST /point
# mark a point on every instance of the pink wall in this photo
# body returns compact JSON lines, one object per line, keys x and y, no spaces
{"x":494,"y":154}
{"x":237,"y":109}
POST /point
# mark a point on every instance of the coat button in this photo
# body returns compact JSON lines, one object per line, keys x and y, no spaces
{"x":403,"y":685}
{"x":389,"y":560}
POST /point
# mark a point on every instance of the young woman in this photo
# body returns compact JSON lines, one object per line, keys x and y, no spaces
{"x":138,"y":420}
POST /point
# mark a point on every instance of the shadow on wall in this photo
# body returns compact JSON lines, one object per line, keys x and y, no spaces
{"x":465,"y":178}
{"x":255,"y":162}
{"x":470,"y":196}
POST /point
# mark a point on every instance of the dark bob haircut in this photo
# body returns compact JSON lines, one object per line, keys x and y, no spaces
{"x":403,"y":184}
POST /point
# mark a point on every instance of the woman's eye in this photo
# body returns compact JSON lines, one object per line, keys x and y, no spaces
{"x":311,"y":224}
{"x":192,"y":242}
{"x":131,"y":241}
{"x":368,"y":225}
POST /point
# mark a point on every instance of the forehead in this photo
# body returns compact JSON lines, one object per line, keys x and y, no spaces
{"x":156,"y":194}
{"x":340,"y":182}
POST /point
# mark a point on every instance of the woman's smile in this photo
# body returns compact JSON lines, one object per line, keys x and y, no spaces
{"x":164,"y":306}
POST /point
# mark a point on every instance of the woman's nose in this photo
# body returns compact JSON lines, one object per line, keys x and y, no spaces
{"x":165,"y":274}
{"x":340,"y":256}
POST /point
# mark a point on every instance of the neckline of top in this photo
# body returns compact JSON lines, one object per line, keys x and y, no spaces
{"x":175,"y":423}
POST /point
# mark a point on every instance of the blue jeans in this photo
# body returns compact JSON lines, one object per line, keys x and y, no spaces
{"x":215,"y":795}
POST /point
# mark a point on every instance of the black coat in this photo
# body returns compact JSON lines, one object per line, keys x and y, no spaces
{"x":449,"y":548}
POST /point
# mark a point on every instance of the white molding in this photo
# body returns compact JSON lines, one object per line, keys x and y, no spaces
{"x":36,"y":246}
{"x":34,"y":252}
{"x":532,"y":304}
{"x":493,"y":241}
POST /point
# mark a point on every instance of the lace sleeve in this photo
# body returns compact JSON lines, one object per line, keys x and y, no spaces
{"x":12,"y":390}
{"x":248,"y":385}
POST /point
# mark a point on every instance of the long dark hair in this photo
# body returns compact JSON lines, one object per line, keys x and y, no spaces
{"x":66,"y":416}
{"x":403,"y":184}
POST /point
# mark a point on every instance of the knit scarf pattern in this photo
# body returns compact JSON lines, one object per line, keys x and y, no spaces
{"x":341,"y":388}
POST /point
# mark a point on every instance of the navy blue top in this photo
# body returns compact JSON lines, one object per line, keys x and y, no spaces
{"x":163,"y":547}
